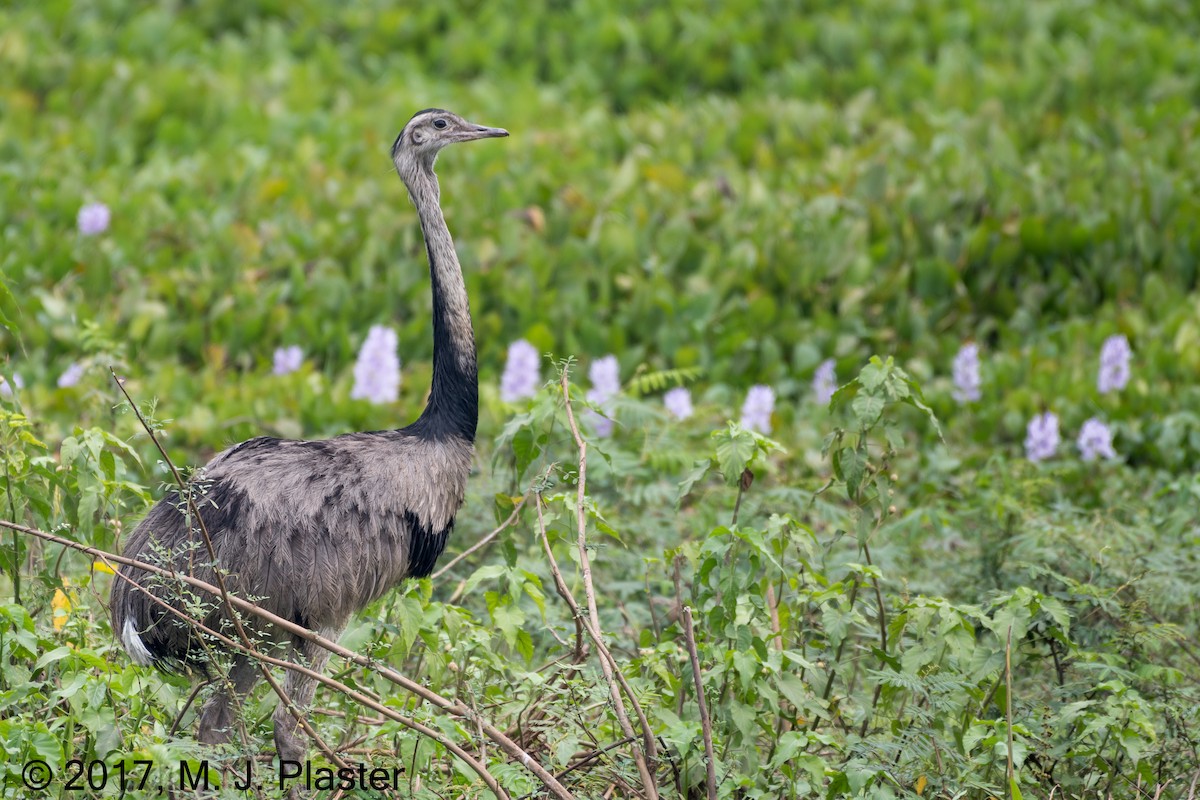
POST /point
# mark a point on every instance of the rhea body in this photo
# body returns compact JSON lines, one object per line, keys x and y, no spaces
{"x":316,"y":530}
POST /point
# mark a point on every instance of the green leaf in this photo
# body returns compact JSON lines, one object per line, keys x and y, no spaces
{"x":699,"y":470}
{"x":867,"y":409}
{"x":735,"y":449}
{"x":526,"y":449}
{"x":484,"y":573}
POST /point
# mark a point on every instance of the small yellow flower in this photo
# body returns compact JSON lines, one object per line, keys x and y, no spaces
{"x":62,"y":608}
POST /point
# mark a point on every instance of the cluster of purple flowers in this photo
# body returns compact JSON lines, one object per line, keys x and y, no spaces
{"x":604,"y":373}
{"x":521,"y":377}
{"x":287,"y":360}
{"x":757,"y":410}
{"x":1041,"y":436}
{"x":71,"y":375}
{"x":678,"y":403}
{"x":1095,"y":437}
{"x":1042,"y":439}
{"x":1095,"y":441}
{"x":1114,"y":364}
{"x":377,"y":371}
{"x":967,"y":383}
{"x":825,"y":382}
{"x":93,"y":219}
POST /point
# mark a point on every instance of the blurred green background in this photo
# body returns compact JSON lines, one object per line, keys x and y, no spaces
{"x":743,"y":188}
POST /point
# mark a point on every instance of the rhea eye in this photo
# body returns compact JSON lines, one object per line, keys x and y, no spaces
{"x":439,"y":123}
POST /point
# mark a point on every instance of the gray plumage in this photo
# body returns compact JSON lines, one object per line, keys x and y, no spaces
{"x":316,"y":530}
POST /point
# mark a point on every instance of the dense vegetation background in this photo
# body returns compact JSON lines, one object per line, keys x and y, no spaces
{"x":720,"y":194}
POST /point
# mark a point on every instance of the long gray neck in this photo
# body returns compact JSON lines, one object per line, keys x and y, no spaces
{"x":453,"y":408}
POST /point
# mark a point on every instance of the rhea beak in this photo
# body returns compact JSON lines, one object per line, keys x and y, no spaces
{"x":472,"y":132}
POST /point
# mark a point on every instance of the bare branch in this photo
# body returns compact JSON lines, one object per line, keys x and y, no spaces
{"x":454,"y":709}
{"x":263,"y":658}
{"x":607,"y":664}
{"x":705,"y":723}
{"x":483,"y":542}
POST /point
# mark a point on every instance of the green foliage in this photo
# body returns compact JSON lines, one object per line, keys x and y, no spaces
{"x":721,"y":194}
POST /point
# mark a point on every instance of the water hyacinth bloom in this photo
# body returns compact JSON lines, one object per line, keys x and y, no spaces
{"x":605,"y":376}
{"x":377,"y":370}
{"x":756,"y":411}
{"x":967,"y":384}
{"x":70,"y":376}
{"x":825,"y":382}
{"x":287,"y":360}
{"x":1114,"y":364}
{"x":93,"y":219}
{"x":678,"y":402}
{"x":521,"y":377}
{"x":1095,"y":440}
{"x":6,"y":388}
{"x":1041,"y":437}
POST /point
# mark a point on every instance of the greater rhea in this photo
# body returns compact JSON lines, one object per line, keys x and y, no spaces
{"x":316,"y":530}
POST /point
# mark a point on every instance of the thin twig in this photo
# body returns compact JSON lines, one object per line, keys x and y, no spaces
{"x":358,"y":697}
{"x":454,"y":709}
{"x":186,"y":493}
{"x":561,"y":585}
{"x":585,"y":568}
{"x":483,"y":542}
{"x":705,"y":723}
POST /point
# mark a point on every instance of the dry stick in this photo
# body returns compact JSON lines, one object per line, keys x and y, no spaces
{"x":454,"y":709}
{"x":560,"y":584}
{"x":608,"y":663}
{"x":481,"y":543}
{"x":585,"y":568}
{"x":705,"y":723}
{"x":358,"y":697}
{"x":194,"y":512}
{"x":1008,"y":704}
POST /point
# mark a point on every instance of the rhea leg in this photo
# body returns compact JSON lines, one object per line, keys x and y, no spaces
{"x":218,"y":716}
{"x":290,"y":741}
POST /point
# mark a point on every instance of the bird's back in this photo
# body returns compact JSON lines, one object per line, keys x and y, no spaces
{"x":316,"y":529}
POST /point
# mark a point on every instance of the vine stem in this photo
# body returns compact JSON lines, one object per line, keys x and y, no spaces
{"x":585,"y":568}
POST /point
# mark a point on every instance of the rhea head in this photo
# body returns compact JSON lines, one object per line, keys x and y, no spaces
{"x":428,"y":132}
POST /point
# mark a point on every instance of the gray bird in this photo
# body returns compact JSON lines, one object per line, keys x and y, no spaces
{"x":316,"y":530}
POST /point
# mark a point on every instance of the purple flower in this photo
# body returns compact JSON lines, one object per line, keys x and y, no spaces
{"x":6,"y":388}
{"x":70,"y":376}
{"x":756,"y":411}
{"x":678,"y":402}
{"x":825,"y":382}
{"x":93,"y":219}
{"x":377,"y":371}
{"x":1095,"y":440}
{"x":521,"y":377}
{"x":1041,"y":437}
{"x":1114,"y":364}
{"x":287,"y":360}
{"x":605,"y":376}
{"x":966,"y":374}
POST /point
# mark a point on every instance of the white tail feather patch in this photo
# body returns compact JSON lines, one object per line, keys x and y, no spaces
{"x":133,"y":645}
